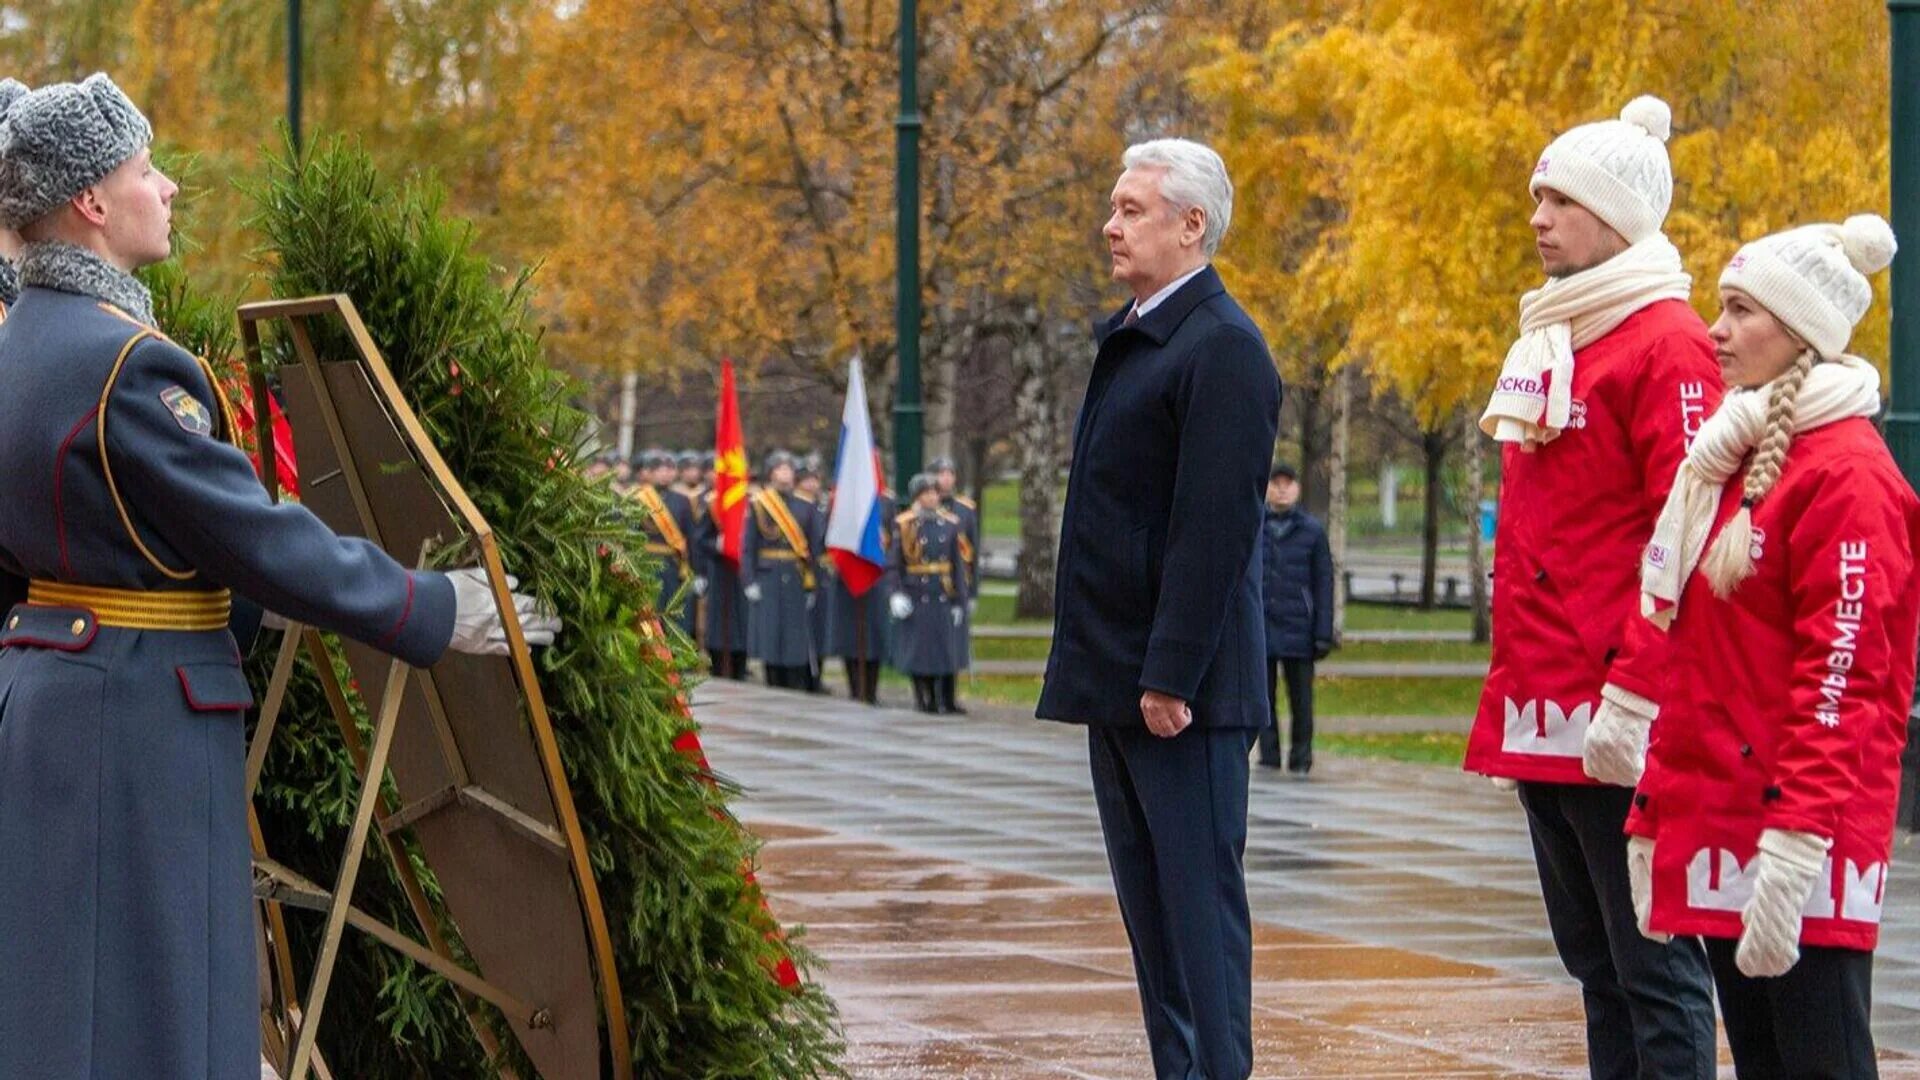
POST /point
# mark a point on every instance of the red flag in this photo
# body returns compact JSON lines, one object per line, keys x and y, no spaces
{"x":730,"y":469}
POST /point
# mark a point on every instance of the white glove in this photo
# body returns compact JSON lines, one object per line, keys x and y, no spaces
{"x":699,"y":586}
{"x":1504,"y":783}
{"x":959,"y":615}
{"x":266,"y":1070}
{"x":1615,"y":751}
{"x":811,"y":597}
{"x":1640,"y":881}
{"x":973,"y":605}
{"x":1784,"y":875}
{"x":477,"y":629}
{"x":901,"y":605}
{"x":271,"y":621}
{"x":753,"y":592}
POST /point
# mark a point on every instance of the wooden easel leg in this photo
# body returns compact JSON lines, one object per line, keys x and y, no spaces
{"x":370,"y":782}
{"x":270,"y":708}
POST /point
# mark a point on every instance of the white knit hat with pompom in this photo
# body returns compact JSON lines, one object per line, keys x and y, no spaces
{"x":1616,"y":168}
{"x":1814,"y":278}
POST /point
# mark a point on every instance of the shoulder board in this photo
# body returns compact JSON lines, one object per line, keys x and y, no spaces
{"x":966,"y":502}
{"x":948,"y":515}
{"x":903,"y":517}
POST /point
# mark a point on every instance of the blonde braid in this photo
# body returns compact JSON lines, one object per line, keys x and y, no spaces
{"x":1730,"y":561}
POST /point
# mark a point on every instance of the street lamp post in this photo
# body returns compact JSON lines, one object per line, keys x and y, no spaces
{"x":293,"y":72}
{"x":907,"y":411}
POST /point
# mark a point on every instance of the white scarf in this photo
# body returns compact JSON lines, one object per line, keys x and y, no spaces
{"x":1533,"y":400}
{"x":1836,"y":390}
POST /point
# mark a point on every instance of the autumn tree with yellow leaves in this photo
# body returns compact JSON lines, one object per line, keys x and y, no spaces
{"x":1384,"y":149}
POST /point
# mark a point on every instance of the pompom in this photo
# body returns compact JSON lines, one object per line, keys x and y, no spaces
{"x":1868,"y":241}
{"x":1650,"y":113}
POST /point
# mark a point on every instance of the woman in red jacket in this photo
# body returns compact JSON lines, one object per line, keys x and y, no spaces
{"x":1765,"y":818}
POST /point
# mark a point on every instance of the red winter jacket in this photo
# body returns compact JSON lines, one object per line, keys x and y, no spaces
{"x":1575,"y":516}
{"x":1787,"y":703}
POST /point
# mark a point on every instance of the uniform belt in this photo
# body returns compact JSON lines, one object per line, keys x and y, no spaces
{"x":929,"y":567}
{"x":779,"y":555}
{"x":139,"y":609}
{"x":663,"y":549}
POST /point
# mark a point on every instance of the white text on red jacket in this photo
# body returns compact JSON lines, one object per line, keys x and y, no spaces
{"x":1693,"y":410}
{"x":1847,"y":612}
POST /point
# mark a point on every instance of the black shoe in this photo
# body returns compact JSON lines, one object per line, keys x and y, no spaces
{"x":1301,"y":767}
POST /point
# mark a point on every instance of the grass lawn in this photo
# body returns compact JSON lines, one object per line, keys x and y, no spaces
{"x":1453,"y":699}
{"x":1422,"y":747}
{"x":1365,"y":652}
{"x":1387,"y":617}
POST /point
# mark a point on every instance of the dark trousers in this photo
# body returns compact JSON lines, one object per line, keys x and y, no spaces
{"x":1649,"y":1006}
{"x":1299,"y":671}
{"x":789,"y":677}
{"x":1174,"y":813}
{"x":1809,"y":1024}
{"x":863,"y":679}
{"x":728,"y":664}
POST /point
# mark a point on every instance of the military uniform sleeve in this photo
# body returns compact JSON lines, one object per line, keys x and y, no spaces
{"x":1848,"y":560}
{"x":1679,"y":388}
{"x":201,"y":496}
{"x":1227,"y":409}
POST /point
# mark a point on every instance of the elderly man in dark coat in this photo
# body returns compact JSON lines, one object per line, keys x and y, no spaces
{"x":1298,"y":595}
{"x":1158,"y":642}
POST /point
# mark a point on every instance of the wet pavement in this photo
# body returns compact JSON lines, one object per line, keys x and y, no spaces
{"x":951,"y":872}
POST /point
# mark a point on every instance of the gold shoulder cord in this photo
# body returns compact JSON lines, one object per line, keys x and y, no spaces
{"x":106,"y":463}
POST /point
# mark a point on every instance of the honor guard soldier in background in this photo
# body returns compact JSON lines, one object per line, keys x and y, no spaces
{"x":807,"y":485}
{"x":150,"y":552}
{"x":667,"y":521}
{"x":967,"y":513}
{"x":930,"y":602}
{"x":687,"y":473}
{"x":858,"y":626}
{"x":783,"y":534}
{"x":724,"y":623}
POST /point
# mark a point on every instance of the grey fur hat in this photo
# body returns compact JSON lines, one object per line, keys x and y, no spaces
{"x":11,"y":90}
{"x":921,"y":482}
{"x":59,"y":140}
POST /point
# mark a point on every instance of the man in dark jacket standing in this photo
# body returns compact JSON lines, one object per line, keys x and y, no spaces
{"x":1297,"y":591}
{"x":1159,"y":643}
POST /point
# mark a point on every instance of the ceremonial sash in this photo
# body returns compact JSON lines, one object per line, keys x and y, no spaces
{"x":776,"y":508}
{"x":663,"y":522}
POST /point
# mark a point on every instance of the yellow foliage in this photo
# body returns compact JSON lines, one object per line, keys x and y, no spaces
{"x":1384,"y":147}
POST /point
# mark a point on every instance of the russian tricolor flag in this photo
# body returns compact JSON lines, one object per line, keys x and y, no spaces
{"x":854,"y":525}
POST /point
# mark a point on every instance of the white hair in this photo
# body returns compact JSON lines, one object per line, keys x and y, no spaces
{"x":1195,"y":176}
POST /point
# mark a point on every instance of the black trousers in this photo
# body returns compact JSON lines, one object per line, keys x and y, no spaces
{"x":793,"y":677}
{"x":1649,"y":1006}
{"x":1299,"y":671}
{"x":863,"y":679}
{"x":1809,"y":1024}
{"x":728,"y":664}
{"x":1174,"y":815}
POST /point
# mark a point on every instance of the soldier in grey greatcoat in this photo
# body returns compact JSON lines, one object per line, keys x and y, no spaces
{"x":722,"y":592}
{"x":967,"y":513}
{"x":858,"y":627}
{"x":784,"y":535}
{"x":148,"y":553}
{"x":929,"y":598}
{"x":665,"y":517}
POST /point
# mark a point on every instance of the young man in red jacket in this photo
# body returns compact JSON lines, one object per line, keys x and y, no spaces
{"x":1765,"y":820}
{"x":1610,"y":377}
